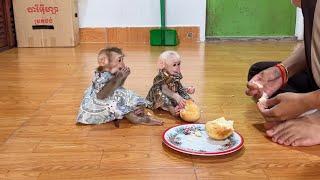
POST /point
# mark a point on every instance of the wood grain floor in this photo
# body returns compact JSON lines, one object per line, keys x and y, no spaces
{"x":40,"y":92}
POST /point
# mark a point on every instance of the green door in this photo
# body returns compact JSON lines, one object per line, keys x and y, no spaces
{"x":247,"y":18}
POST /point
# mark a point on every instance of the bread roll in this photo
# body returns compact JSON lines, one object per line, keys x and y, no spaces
{"x":191,"y":112}
{"x":219,"y":129}
{"x":263,"y":99}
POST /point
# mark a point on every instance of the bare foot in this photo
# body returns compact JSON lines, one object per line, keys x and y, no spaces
{"x":139,"y":112}
{"x":150,"y":121}
{"x":269,"y":125}
{"x":313,"y":117}
{"x":303,"y":131}
{"x":145,"y":120}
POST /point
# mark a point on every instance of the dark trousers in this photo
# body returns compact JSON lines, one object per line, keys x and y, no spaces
{"x":302,"y":82}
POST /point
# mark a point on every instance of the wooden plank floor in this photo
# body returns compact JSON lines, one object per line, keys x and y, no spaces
{"x":40,"y":92}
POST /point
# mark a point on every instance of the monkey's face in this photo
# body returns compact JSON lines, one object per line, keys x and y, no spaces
{"x":172,"y":66}
{"x":116,"y":62}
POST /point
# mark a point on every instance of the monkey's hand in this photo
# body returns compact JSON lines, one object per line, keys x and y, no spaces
{"x":190,"y":90}
{"x":181,"y":102}
{"x":175,"y":96}
{"x":111,"y":86}
{"x":177,"y":110}
{"x":124,"y":73}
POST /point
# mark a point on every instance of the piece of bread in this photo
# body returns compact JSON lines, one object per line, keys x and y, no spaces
{"x":220,"y":128}
{"x":263,"y":99}
{"x":264,"y":96}
{"x":191,"y":112}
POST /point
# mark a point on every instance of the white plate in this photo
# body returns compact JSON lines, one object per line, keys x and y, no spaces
{"x":193,"y":139}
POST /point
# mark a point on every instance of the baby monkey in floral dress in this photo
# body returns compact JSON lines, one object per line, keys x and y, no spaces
{"x":106,"y":99}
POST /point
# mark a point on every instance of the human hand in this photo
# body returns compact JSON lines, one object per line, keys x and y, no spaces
{"x":284,"y":106}
{"x":268,"y":81}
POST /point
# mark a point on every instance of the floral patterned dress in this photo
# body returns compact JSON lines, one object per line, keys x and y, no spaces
{"x":116,"y":106}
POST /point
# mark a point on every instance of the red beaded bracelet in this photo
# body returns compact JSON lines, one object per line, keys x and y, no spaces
{"x":284,"y":73}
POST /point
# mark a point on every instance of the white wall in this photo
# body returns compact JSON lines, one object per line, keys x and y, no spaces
{"x":142,"y":13}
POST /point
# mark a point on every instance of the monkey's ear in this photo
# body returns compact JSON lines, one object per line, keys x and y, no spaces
{"x":103,"y":60}
{"x":161,"y":64}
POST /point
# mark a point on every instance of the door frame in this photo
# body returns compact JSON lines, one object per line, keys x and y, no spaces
{"x":9,"y":25}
